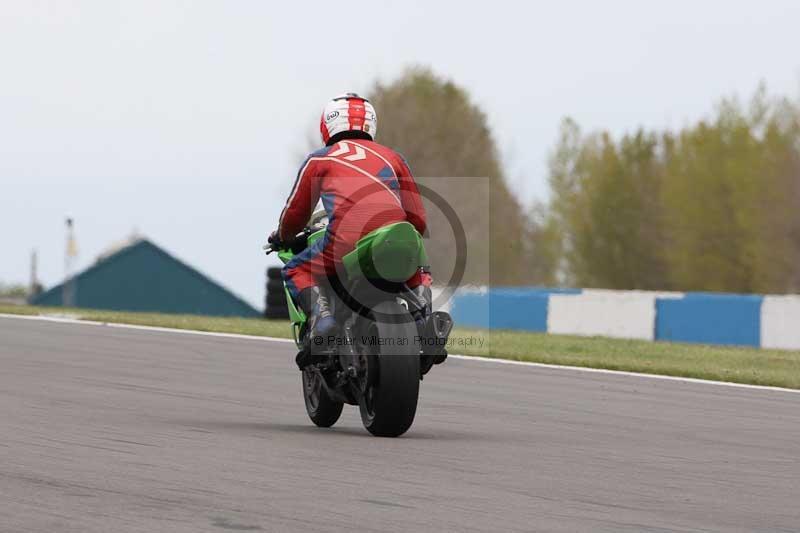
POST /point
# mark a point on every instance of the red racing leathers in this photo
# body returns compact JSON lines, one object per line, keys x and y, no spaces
{"x":363,"y":186}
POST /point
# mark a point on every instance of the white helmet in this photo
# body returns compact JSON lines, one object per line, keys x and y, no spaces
{"x":348,"y":112}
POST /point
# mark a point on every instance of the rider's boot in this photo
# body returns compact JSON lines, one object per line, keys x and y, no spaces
{"x":315,"y":305}
{"x":321,"y":323}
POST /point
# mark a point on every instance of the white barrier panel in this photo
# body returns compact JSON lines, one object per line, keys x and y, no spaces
{"x":780,"y":322}
{"x":621,"y":314}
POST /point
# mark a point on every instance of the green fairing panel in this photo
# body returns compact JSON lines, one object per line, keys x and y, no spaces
{"x":296,"y":315}
{"x":393,"y":252}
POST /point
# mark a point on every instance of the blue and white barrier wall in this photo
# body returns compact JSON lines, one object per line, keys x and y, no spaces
{"x":707,"y":318}
{"x":523,"y":308}
{"x":590,"y":313}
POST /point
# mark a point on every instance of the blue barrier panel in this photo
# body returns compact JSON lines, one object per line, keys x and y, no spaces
{"x":518,"y":311}
{"x":471,"y":309}
{"x":710,"y":319}
{"x":522,"y":308}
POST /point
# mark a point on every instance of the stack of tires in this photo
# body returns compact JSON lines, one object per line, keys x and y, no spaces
{"x":276,"y":295}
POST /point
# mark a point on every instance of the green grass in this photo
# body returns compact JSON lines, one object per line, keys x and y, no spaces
{"x":243,"y":326}
{"x":741,"y":365}
{"x":754,"y":366}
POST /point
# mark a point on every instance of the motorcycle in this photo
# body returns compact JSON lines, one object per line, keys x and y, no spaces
{"x":380,"y":353}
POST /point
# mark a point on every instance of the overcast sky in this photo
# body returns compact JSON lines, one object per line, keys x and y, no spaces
{"x":186,"y":120}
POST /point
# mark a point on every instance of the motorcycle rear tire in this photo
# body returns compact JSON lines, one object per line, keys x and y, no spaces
{"x":388,"y":409}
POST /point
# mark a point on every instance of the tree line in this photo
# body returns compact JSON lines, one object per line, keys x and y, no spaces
{"x":714,"y":206}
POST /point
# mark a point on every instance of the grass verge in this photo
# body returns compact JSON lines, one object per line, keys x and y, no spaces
{"x":777,"y":368}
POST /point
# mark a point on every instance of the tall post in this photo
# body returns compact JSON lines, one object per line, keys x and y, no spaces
{"x":34,"y":282}
{"x":71,"y":252}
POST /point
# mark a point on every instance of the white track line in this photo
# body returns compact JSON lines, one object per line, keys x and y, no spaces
{"x":69,"y":320}
{"x":472,"y":358}
{"x":624,"y":373}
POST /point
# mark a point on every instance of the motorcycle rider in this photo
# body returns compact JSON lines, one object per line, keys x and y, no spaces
{"x":363,"y":186}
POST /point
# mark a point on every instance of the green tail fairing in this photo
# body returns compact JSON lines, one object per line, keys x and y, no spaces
{"x":393,"y":253}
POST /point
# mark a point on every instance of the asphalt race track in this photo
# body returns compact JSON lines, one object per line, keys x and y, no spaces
{"x":106,"y":429}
